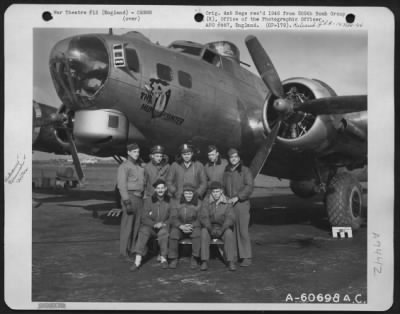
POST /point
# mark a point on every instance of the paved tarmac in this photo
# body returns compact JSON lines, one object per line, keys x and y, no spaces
{"x":75,"y":256}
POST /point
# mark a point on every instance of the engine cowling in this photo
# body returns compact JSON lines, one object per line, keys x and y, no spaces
{"x":304,"y":189}
{"x":100,"y":126}
{"x":301,"y":131}
{"x":96,"y":132}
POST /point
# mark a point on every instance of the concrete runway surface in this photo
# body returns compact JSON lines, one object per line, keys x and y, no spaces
{"x":75,"y":254}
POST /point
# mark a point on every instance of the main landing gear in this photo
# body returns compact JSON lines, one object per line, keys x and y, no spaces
{"x":343,"y":201}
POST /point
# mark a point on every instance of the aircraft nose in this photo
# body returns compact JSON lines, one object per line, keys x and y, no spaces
{"x":79,"y":67}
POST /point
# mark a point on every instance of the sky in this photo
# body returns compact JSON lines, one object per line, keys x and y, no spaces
{"x":339,"y":58}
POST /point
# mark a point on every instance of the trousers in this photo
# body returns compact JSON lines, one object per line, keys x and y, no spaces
{"x":145,"y":233}
{"x":176,"y":235}
{"x":130,"y":225}
{"x":229,"y":244}
{"x":241,"y":229}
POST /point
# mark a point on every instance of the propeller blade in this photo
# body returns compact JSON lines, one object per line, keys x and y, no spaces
{"x":333,"y":105}
{"x":75,"y":158}
{"x":265,"y":149}
{"x":53,"y":119}
{"x":264,"y":66}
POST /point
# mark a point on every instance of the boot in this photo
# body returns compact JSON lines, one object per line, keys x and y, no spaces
{"x":134,"y":267}
{"x":173,"y":263}
{"x":164,"y":264}
{"x":231,"y":266}
{"x":193,"y":263}
{"x":204,"y":265}
{"x":246,"y":262}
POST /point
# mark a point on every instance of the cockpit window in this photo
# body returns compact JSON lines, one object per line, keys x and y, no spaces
{"x":227,"y":65}
{"x":164,"y":72}
{"x":132,"y":59}
{"x":195,"y":51}
{"x":212,"y":57}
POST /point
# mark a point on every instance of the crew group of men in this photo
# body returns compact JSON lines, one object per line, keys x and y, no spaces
{"x":185,"y":200}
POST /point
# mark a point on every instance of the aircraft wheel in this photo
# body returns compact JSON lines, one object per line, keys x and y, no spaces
{"x":344,"y":201}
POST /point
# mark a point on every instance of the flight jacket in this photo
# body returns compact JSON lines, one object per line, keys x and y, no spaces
{"x":152,"y":173}
{"x":218,"y":212}
{"x":178,"y":175}
{"x":156,"y":210}
{"x":215,"y":171}
{"x":187,"y":213}
{"x":130,"y":177}
{"x":238,"y":181}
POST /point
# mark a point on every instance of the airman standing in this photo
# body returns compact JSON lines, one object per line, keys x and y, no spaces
{"x":238,"y":184}
{"x":215,"y":166}
{"x":130,"y":181}
{"x":186,"y":170}
{"x":156,"y":168}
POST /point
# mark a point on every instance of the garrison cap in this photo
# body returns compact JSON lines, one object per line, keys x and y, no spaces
{"x":185,"y":148}
{"x":159,"y":181}
{"x":157,"y":149}
{"x":211,"y":148}
{"x":232,"y":151}
{"x":132,"y":146}
{"x":188,"y":187}
{"x":215,"y":185}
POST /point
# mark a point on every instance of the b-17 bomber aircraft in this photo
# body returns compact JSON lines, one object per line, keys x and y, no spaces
{"x":118,"y":89}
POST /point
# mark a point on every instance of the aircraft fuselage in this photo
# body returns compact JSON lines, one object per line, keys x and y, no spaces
{"x":171,"y":97}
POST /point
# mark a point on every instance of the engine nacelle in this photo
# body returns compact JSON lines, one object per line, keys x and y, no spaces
{"x":304,"y":189}
{"x":106,"y":127}
{"x":96,"y":132}
{"x":104,"y":132}
{"x":304,"y":132}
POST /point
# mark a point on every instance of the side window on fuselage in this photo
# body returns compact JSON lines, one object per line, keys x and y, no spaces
{"x":185,"y":79}
{"x":132,"y":60}
{"x":164,"y":72}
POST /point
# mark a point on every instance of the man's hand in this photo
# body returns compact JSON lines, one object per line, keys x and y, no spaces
{"x":128,"y":207}
{"x":187,"y":228}
{"x":216,"y":233}
{"x":158,"y":225}
{"x":234,"y":200}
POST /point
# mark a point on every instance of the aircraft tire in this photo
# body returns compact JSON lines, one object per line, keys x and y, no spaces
{"x":344,"y":201}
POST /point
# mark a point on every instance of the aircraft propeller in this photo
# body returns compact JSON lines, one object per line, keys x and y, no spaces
{"x":54,"y":119}
{"x":75,"y":157}
{"x":286,"y":107}
{"x":62,"y":121}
